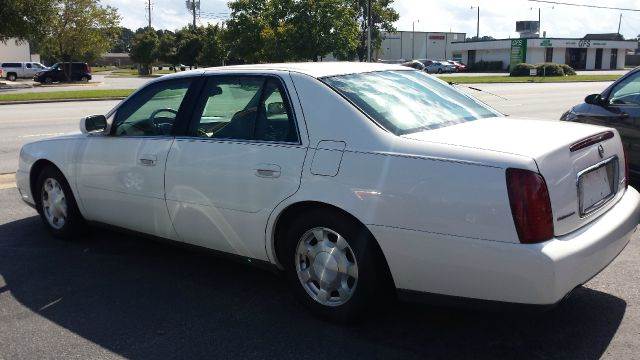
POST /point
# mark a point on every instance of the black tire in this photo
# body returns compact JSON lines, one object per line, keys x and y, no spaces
{"x":11,"y":77}
{"x":439,"y":71}
{"x":84,"y":79}
{"x":74,"y":223}
{"x":370,"y":287}
{"x":48,"y":80}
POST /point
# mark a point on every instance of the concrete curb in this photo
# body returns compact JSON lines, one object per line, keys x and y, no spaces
{"x":21,"y":102}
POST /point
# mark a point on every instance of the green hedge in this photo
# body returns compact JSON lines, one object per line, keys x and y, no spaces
{"x":486,"y":66}
{"x":544,"y":69}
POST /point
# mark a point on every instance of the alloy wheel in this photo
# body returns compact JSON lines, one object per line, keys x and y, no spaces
{"x":54,"y":203}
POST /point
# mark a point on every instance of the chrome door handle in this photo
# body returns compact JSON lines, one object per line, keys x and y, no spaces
{"x":148,"y":160}
{"x":268,"y":170}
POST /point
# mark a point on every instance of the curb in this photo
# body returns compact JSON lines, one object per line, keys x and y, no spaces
{"x":21,"y":102}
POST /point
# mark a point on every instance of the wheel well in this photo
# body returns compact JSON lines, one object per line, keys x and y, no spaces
{"x":36,"y":169}
{"x":12,"y":73}
{"x":288,"y":215}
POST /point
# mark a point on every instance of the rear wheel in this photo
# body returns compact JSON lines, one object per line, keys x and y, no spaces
{"x":84,"y":79}
{"x":332,"y":265}
{"x":48,"y":80}
{"x":56,"y":204}
{"x":12,"y":77}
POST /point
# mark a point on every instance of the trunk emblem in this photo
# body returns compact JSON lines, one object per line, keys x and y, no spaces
{"x":600,"y":151}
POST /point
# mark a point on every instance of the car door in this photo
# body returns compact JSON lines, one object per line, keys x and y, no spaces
{"x":120,"y":176}
{"x":621,"y":109}
{"x":243,"y":156}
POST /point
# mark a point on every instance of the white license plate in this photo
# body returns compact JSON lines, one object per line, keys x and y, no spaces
{"x":596,"y":186}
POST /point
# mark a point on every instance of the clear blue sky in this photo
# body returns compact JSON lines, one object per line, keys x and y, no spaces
{"x":497,"y":17}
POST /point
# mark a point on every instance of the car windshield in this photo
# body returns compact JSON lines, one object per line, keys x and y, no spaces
{"x":408,"y":101}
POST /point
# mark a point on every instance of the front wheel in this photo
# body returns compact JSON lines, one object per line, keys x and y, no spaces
{"x":11,"y":77}
{"x":332,"y":265}
{"x":48,"y":80}
{"x":56,"y":204}
{"x":84,"y":79}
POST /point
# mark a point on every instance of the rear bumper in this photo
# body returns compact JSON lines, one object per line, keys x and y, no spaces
{"x":540,"y":274}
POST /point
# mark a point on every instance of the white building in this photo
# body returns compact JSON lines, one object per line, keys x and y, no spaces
{"x":407,"y":45}
{"x":16,"y":51}
{"x":581,"y":54}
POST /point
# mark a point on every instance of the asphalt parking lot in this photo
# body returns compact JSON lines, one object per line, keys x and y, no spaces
{"x":112,"y":295}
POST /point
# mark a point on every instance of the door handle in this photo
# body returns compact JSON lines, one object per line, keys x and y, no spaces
{"x":148,"y":160}
{"x":268,"y":170}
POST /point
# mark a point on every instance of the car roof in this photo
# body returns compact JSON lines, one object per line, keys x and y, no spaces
{"x":314,"y":69}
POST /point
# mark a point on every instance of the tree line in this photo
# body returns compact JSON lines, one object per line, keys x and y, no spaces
{"x":256,"y":31}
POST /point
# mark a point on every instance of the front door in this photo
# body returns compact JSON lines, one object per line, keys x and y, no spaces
{"x":622,"y":111}
{"x":243,"y":157}
{"x":121,"y":175}
{"x":598,"y":59}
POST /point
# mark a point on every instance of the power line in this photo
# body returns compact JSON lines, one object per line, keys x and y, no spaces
{"x":585,"y":5}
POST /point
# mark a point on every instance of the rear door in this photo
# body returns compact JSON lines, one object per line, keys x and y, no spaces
{"x":243,"y":156}
{"x":121,"y":175}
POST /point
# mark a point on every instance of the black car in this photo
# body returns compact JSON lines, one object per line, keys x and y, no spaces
{"x":618,"y":107}
{"x":67,"y":71}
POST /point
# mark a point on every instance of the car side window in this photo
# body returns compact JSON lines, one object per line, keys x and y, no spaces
{"x":245,"y":108}
{"x":152,"y":111}
{"x":28,"y":66}
{"x":627,"y":92}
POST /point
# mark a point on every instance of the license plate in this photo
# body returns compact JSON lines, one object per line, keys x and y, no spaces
{"x":597,"y":185}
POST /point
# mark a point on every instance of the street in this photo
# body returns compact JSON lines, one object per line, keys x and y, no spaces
{"x":111,"y":295}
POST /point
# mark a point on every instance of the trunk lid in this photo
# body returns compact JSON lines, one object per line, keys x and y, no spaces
{"x":595,"y":171}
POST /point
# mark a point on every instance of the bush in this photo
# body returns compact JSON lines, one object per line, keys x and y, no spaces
{"x":486,"y":66}
{"x":568,"y":70}
{"x":544,"y":69}
{"x":549,"y":69}
{"x":522,"y":69}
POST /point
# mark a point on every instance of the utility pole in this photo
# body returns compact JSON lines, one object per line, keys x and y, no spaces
{"x":619,"y":23}
{"x":539,"y":20}
{"x":413,"y":40}
{"x":369,"y":31}
{"x":149,"y":9}
{"x":193,"y":2}
{"x":478,"y":24}
{"x":193,"y":6}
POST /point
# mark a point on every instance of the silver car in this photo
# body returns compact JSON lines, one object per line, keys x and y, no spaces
{"x":14,"y":70}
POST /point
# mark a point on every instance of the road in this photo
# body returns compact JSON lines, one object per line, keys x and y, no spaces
{"x":113,"y":296}
{"x":20,"y":124}
{"x":99,"y":82}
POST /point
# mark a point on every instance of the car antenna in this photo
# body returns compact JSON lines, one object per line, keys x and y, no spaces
{"x":476,"y":89}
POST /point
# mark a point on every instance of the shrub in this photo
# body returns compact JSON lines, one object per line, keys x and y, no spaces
{"x":522,"y":69}
{"x":486,"y":66}
{"x":549,"y":69}
{"x":568,"y":70}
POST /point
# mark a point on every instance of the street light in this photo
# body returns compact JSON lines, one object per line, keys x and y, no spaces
{"x":413,"y":39}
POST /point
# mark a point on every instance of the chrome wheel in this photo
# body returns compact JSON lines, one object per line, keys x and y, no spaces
{"x":54,"y":203}
{"x":326,"y":266}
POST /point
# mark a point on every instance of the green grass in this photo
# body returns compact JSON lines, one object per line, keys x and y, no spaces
{"x":134,"y":73}
{"x":526,"y":79}
{"x":66,"y":95}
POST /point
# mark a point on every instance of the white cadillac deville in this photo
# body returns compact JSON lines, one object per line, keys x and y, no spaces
{"x":356,"y":180}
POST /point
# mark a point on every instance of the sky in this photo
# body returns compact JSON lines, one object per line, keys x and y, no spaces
{"x":497,"y":17}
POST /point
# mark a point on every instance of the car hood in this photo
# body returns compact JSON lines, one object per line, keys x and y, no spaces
{"x":530,"y":138}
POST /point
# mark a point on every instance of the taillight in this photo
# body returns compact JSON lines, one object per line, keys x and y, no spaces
{"x":88,"y":69}
{"x":530,"y":205}
{"x":626,"y":168}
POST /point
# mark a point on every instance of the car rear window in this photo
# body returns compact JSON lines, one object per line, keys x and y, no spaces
{"x":406,"y":101}
{"x":12,"y":65}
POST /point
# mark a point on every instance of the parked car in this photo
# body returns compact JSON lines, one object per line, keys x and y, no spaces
{"x":60,"y":72}
{"x":414,"y":64}
{"x":437,"y":67}
{"x":458,"y":66}
{"x":15,"y":70}
{"x":351,"y":178}
{"x":618,"y":106}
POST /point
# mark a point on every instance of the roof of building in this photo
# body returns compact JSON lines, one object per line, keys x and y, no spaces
{"x":609,"y":36}
{"x":314,"y":69}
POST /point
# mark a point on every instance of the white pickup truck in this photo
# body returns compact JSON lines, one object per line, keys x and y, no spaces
{"x":14,"y":70}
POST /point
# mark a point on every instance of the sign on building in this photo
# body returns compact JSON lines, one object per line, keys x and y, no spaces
{"x":518,"y":52}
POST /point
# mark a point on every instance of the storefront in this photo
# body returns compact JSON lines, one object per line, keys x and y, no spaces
{"x":581,"y":54}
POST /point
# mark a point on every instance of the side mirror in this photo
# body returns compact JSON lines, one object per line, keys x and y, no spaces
{"x":93,"y":123}
{"x":594,"y":99}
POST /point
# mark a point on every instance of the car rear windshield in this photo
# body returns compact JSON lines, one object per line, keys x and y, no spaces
{"x":408,"y":101}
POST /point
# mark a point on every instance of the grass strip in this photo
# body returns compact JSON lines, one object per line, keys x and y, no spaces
{"x":527,"y":79}
{"x":66,"y":95}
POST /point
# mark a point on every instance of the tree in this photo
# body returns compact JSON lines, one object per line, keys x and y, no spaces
{"x":80,"y":30}
{"x":167,"y":52}
{"x":482,"y":38}
{"x":25,"y":19}
{"x":213,"y":49}
{"x":124,"y":40}
{"x":144,"y":50}
{"x":189,"y":45}
{"x":382,"y":18}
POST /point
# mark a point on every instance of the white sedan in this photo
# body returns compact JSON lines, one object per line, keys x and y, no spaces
{"x":356,"y":180}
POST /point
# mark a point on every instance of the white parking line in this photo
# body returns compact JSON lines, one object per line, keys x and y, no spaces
{"x":7,"y":181}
